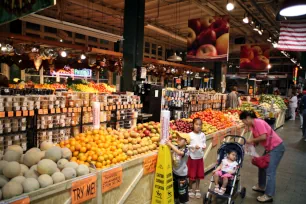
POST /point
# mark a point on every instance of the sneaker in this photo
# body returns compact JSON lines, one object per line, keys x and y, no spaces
{"x":191,"y":193}
{"x":264,"y":199}
{"x":198,"y":194}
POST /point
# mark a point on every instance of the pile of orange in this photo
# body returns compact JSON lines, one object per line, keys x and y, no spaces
{"x":102,"y":148}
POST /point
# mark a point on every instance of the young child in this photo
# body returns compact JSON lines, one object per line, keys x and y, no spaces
{"x":225,"y":170}
{"x":195,"y":161}
{"x":180,"y":156}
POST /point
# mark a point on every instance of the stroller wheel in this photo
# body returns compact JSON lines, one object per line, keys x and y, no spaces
{"x":243,"y":192}
{"x":207,"y":200}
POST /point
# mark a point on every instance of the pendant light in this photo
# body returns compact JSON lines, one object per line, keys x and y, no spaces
{"x":245,"y":19}
{"x":292,"y":8}
{"x":230,"y":5}
{"x":174,"y":58}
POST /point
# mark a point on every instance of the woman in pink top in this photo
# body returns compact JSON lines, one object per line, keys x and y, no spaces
{"x":265,"y":136}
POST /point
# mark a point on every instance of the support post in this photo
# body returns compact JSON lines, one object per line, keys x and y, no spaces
{"x":133,"y":41}
{"x":218,"y":76}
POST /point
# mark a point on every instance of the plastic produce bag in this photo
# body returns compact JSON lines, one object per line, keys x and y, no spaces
{"x":250,"y":150}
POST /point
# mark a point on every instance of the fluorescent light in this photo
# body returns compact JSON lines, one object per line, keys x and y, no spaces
{"x":164,"y":32}
{"x":64,"y":25}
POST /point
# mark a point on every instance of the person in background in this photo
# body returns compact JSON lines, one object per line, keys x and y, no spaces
{"x":180,"y":154}
{"x":303,"y":111}
{"x":293,"y":105}
{"x":195,"y":161}
{"x":299,"y":110}
{"x":232,"y":100}
{"x":4,"y":82}
{"x":264,"y":135}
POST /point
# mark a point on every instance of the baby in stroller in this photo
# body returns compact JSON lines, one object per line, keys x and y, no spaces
{"x":226,"y":171}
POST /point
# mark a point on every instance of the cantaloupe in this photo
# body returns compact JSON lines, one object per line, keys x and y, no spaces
{"x":12,"y":169}
{"x":24,"y":168}
{"x":66,"y":153}
{"x":46,"y":166}
{"x":11,"y":155}
{"x":3,"y":163}
{"x":15,"y":148}
{"x":45,"y":145}
{"x":21,"y":159}
{"x":34,"y":167}
{"x":19,"y":179}
{"x":34,"y":149}
{"x":12,"y":189}
{"x":58,"y":177}
{"x":31,"y":157}
{"x":69,"y":173}
{"x":54,"y":153}
{"x":31,"y":174}
{"x":30,"y":184}
{"x":82,"y":170}
{"x":61,"y":163}
{"x":45,"y":180}
{"x":3,"y":180}
{"x":42,"y":154}
{"x":72,"y":165}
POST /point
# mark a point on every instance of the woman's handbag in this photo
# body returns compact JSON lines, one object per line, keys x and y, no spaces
{"x":263,"y":161}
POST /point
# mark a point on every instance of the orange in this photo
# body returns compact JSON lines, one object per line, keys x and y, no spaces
{"x":100,"y":145}
{"x":108,"y":162}
{"x":77,"y":147}
{"x":82,"y":162}
{"x":89,"y":158}
{"x":100,"y":158}
{"x":83,"y":149}
{"x":87,"y":164}
{"x":88,"y":147}
{"x":110,"y":156}
{"x":94,"y":157}
{"x":66,"y":142}
{"x":90,"y":153}
{"x":62,"y":143}
{"x":98,"y":165}
{"x":73,"y":159}
{"x":106,"y":157}
{"x":77,"y":137}
{"x":114,"y":161}
{"x":75,"y":153}
{"x":72,"y":142}
{"x":72,"y":148}
{"x":67,"y":145}
{"x":93,"y":162}
{"x":86,"y":140}
{"x":83,"y":158}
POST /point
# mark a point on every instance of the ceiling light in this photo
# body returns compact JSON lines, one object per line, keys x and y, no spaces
{"x":191,"y":72}
{"x":246,"y":18}
{"x":260,"y":32}
{"x":64,"y":54}
{"x":203,"y":68}
{"x":3,"y":49}
{"x":293,"y":8}
{"x":269,"y":66}
{"x":83,"y":56}
{"x":174,"y":58}
{"x":61,"y":40}
{"x":187,"y":72}
{"x":252,"y":22}
{"x":34,"y":49}
{"x":256,"y":28}
{"x":269,"y":39}
{"x":230,"y":5}
{"x":275,"y":44}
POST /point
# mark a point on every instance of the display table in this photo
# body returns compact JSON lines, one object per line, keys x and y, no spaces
{"x":280,"y":119}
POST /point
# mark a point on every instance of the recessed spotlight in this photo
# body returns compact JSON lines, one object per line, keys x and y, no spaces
{"x":269,"y":39}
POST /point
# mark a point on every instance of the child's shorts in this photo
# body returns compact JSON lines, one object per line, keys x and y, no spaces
{"x":224,"y":174}
{"x":195,"y":169}
{"x":180,"y":185}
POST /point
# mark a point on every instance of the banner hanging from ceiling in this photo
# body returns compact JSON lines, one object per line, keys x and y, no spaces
{"x":12,"y":9}
{"x":254,"y":58}
{"x":208,"y":39}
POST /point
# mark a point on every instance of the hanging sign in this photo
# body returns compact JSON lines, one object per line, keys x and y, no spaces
{"x":111,"y":179}
{"x":84,"y":189}
{"x":86,"y":73}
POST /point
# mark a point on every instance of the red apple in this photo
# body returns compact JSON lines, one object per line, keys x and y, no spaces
{"x":191,"y":37}
{"x":206,"y":21}
{"x":146,"y":132}
{"x":208,"y":36}
{"x":260,"y":62}
{"x":195,"y":25}
{"x":267,"y":53}
{"x":246,"y":52}
{"x":245,"y":63}
{"x":220,"y":26}
{"x":206,"y":51}
{"x":257,"y":50}
{"x":222,"y":44}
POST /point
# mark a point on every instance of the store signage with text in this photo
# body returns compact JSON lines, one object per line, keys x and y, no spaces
{"x":84,"y":189}
{"x":149,"y":164}
{"x":72,"y":72}
{"x":111,"y":179}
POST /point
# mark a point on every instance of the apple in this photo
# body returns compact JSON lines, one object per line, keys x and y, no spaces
{"x":195,"y":25}
{"x":206,"y":21}
{"x":267,"y":53}
{"x":206,"y":51}
{"x":191,"y":37}
{"x":260,"y":62}
{"x":222,"y":44}
{"x":257,"y":50}
{"x":147,"y":132}
{"x":208,"y":36}
{"x":246,"y":52}
{"x":220,"y":26}
{"x":245,"y":63}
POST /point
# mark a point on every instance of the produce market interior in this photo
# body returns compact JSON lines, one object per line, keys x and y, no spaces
{"x":152,"y":101}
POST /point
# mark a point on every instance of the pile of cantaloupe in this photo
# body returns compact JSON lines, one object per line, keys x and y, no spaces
{"x":37,"y":168}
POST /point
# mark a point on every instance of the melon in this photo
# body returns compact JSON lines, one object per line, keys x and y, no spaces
{"x":69,"y":173}
{"x":30,"y":184}
{"x":61,"y":163}
{"x":15,"y":148}
{"x":58,"y":177}
{"x":12,"y":169}
{"x":11,"y":155}
{"x":31,"y":158}
{"x":72,"y":165}
{"x":54,"y":153}
{"x":45,"y":145}
{"x":31,"y":174}
{"x":34,"y":149}
{"x":58,"y":170}
{"x":21,"y":159}
{"x":45,"y":180}
{"x":0,"y":195}
{"x":46,"y":166}
{"x":42,"y":154}
{"x":82,"y":170}
{"x":34,"y":167}
{"x":3,"y":163}
{"x":19,"y":179}
{"x":66,"y":153}
{"x":12,"y":189}
{"x":3,"y":180}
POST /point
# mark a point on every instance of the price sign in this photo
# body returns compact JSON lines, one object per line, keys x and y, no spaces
{"x":149,"y":164}
{"x":31,"y":113}
{"x":10,"y":114}
{"x":25,"y":113}
{"x":75,"y":110}
{"x":18,"y":113}
{"x":84,"y":189}
{"x":45,"y":111}
{"x":40,"y":111}
{"x":69,"y":110}
{"x":52,"y":110}
{"x":79,"y":110}
{"x":89,"y":108}
{"x":22,"y":200}
{"x":114,"y":107}
{"x":2,"y":114}
{"x":111,"y":179}
{"x":118,"y":107}
{"x":85,"y":109}
{"x":64,"y":110}
{"x":58,"y":110}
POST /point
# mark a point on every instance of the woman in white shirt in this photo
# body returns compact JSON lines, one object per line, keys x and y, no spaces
{"x":293,"y":105}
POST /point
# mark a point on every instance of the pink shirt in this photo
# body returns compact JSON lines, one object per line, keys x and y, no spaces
{"x":260,"y":127}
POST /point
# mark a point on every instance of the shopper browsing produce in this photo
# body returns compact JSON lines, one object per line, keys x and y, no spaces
{"x":293,"y":105}
{"x":179,"y":163}
{"x":195,"y":161}
{"x":273,"y":144}
{"x":232,"y":98}
{"x":225,"y":170}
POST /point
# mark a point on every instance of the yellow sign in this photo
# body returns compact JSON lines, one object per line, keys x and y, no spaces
{"x":163,"y":182}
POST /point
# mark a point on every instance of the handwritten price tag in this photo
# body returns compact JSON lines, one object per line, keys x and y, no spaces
{"x":45,"y":111}
{"x":25,"y":113}
{"x":85,"y":109}
{"x":82,"y":190}
{"x":10,"y":114}
{"x":111,"y":179}
{"x":2,"y":114}
{"x":18,"y":113}
{"x":31,"y":113}
{"x":149,"y":164}
{"x":22,"y":200}
{"x":58,"y":110}
{"x":52,"y":110}
{"x":69,"y":110}
{"x":40,"y":111}
{"x":89,"y":108}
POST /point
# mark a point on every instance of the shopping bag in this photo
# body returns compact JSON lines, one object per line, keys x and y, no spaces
{"x":250,"y":150}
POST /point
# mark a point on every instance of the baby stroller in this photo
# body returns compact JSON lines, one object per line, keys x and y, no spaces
{"x":230,"y":142}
